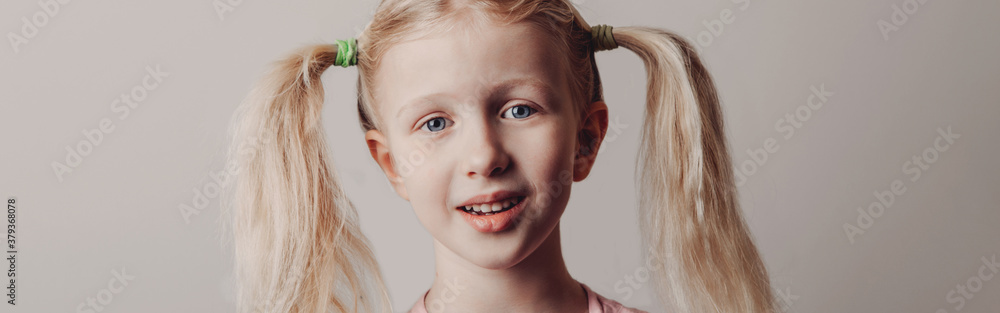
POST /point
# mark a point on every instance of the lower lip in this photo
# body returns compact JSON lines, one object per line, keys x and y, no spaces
{"x":494,"y":222}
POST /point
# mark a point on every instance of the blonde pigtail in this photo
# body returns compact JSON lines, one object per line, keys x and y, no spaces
{"x":298,"y":244}
{"x":689,"y":210}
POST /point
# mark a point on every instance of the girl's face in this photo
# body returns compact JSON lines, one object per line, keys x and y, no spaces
{"x":481,"y":137}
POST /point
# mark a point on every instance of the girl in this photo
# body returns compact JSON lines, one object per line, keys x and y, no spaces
{"x":482,"y":114}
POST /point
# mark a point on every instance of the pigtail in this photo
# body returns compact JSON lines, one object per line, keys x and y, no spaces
{"x":690,"y":215}
{"x":298,"y":244}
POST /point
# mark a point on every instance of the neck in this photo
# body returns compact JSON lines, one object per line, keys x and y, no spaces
{"x":539,"y":283}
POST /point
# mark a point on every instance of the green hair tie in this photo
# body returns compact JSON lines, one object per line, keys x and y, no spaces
{"x":347,"y":52}
{"x":602,"y":37}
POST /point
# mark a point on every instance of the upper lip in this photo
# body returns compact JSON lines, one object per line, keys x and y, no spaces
{"x":490,"y":198}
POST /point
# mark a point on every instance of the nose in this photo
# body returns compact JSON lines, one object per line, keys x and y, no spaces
{"x":486,"y":156}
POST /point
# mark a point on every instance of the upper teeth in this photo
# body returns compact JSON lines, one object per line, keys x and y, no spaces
{"x":492,"y":207}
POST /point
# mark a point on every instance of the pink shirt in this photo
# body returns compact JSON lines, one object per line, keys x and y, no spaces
{"x":596,"y":304}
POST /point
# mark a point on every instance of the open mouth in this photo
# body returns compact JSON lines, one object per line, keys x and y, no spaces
{"x":492,"y":208}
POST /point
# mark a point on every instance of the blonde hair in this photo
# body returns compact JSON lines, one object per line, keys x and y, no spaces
{"x":298,"y":245}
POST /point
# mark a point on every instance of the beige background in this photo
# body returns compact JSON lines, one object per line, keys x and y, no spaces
{"x":118,"y":209}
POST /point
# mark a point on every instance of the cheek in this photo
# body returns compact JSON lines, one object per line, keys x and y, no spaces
{"x":415,"y":161}
{"x":546,"y":154}
{"x":555,"y":144}
{"x":426,"y":184}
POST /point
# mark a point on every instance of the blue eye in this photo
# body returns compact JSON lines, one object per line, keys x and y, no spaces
{"x":519,"y":112}
{"x":435,"y":124}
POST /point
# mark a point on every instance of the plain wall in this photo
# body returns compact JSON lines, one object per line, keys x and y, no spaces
{"x":118,"y":208}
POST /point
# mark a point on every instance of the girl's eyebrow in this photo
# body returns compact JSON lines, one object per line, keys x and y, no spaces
{"x":498,"y":90}
{"x":530,"y":82}
{"x":421,"y":101}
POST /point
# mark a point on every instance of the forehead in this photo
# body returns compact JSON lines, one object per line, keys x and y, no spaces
{"x":465,"y":64}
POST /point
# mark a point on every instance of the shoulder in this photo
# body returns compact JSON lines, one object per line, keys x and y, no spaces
{"x":600,"y":304}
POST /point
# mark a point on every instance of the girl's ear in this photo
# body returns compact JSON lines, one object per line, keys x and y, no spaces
{"x":589,"y":138}
{"x":379,"y":148}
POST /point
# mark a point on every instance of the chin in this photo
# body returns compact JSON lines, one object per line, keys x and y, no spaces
{"x":501,"y":252}
{"x":496,"y":253}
